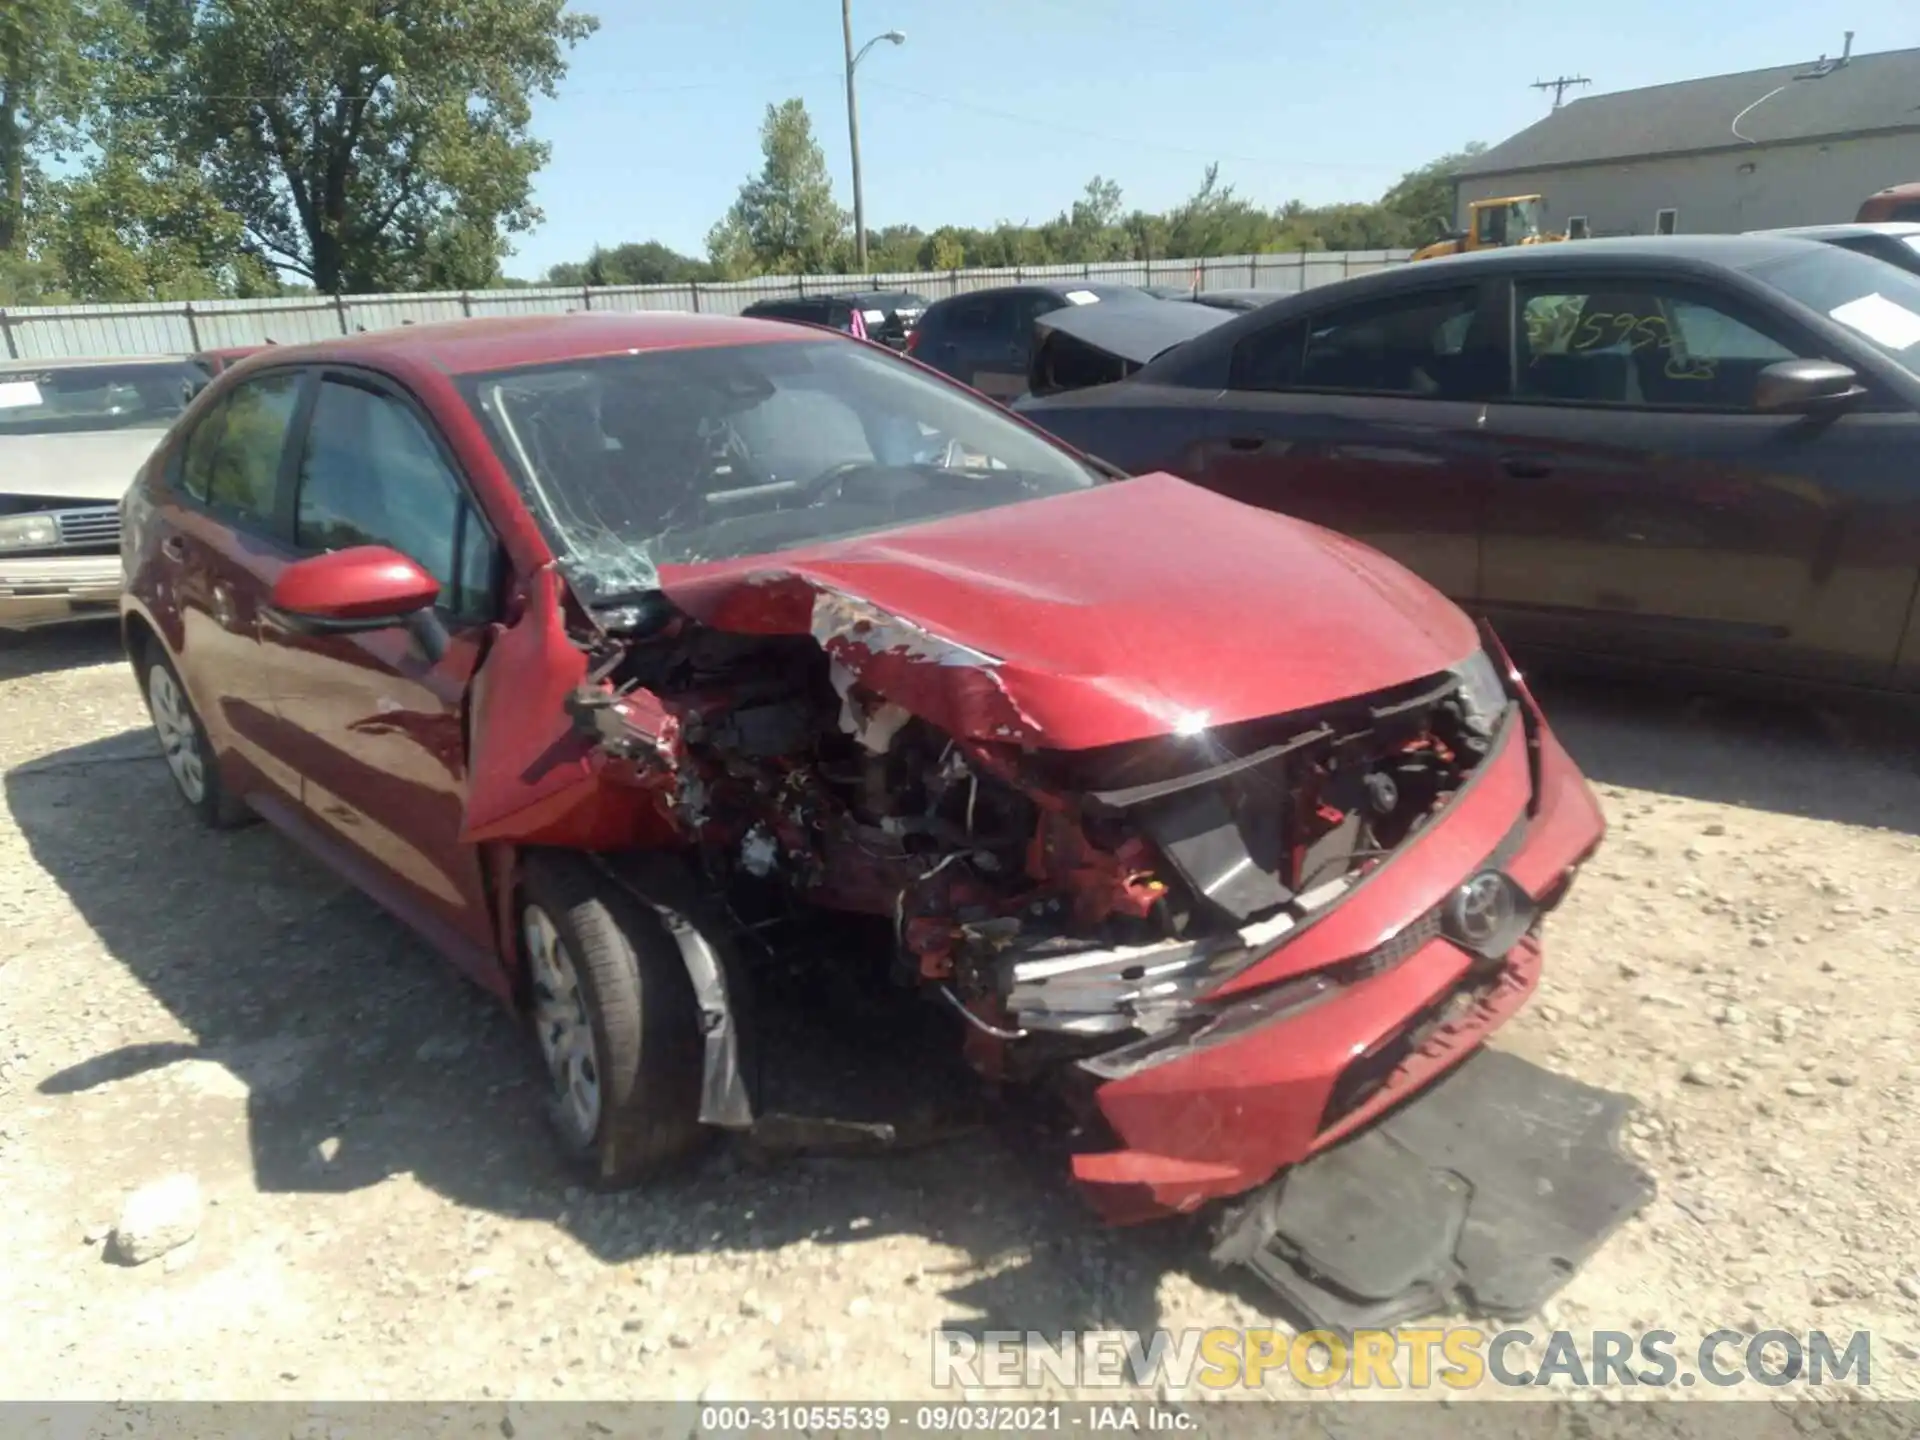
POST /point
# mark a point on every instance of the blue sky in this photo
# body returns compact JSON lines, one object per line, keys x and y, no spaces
{"x":1003,"y":109}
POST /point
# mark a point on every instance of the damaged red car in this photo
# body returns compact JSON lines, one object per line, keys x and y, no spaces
{"x":584,"y":644}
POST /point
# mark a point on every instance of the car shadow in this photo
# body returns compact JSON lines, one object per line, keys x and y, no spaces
{"x":59,"y":647}
{"x":1856,"y":762}
{"x":364,"y":1056}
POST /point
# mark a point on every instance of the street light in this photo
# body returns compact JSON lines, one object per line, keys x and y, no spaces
{"x":853,"y":123}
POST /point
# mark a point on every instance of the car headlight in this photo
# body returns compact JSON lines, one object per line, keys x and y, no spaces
{"x":28,"y":532}
{"x":1483,"y":693}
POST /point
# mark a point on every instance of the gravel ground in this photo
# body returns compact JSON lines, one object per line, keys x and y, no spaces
{"x":383,"y":1217}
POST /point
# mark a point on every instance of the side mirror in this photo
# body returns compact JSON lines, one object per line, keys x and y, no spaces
{"x":1790,"y":386}
{"x":350,"y":592}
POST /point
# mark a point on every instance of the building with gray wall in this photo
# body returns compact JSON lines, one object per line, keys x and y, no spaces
{"x":1796,"y":145}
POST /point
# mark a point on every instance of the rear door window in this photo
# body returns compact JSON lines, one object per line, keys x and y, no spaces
{"x":231,"y":463}
{"x":1433,"y":344}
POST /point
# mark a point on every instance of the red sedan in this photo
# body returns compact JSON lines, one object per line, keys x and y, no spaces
{"x":583,"y":643}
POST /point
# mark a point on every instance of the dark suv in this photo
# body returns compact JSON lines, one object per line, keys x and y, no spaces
{"x":985,"y":338}
{"x":886,"y":315}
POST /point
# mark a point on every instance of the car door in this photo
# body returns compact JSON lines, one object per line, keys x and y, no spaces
{"x":221,"y":546}
{"x":1645,"y":507}
{"x":1365,"y":418}
{"x":383,"y":748}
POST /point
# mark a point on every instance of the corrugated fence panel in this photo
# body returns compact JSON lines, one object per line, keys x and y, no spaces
{"x":97,"y":330}
{"x":384,"y":312}
{"x":159,"y":329}
{"x":222,"y":324}
{"x":543,"y":301}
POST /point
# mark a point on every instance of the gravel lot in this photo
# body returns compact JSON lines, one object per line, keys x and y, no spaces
{"x":383,"y":1217}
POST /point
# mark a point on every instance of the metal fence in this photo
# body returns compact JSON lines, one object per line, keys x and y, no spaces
{"x":180,"y":327}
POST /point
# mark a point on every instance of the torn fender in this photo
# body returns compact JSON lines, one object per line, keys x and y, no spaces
{"x":665,"y":887}
{"x":534,"y":778}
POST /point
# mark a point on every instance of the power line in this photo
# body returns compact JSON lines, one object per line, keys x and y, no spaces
{"x":1054,"y":127}
{"x":732,"y":82}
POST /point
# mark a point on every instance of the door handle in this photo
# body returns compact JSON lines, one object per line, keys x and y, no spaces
{"x":1245,"y":442}
{"x":174,"y":548}
{"x":1527,"y":467}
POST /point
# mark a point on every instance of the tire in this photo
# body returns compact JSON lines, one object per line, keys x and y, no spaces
{"x":632,"y":1001}
{"x":183,"y":744}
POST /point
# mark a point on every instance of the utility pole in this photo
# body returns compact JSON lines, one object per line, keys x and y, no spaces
{"x":1560,"y":86}
{"x":853,"y":135}
{"x":854,"y":57}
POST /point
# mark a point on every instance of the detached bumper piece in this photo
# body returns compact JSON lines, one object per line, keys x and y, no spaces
{"x":1484,"y":1193}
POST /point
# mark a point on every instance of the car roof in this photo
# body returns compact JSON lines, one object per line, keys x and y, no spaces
{"x":1136,"y":333}
{"x":82,"y":362}
{"x":1259,"y":297}
{"x":1053,"y":285}
{"x":1696,"y":254}
{"x":1737,"y":252}
{"x":465,"y":347}
{"x":1851,"y":230}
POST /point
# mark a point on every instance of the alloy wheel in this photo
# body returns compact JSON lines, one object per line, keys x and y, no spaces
{"x":178,"y":732}
{"x":563,"y":1025}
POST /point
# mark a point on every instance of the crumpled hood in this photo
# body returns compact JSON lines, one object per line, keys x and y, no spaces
{"x":87,"y":465}
{"x":1129,"y":610}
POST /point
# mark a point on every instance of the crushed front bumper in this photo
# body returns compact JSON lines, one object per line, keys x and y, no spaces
{"x":47,"y":590}
{"x":1210,"y":1116}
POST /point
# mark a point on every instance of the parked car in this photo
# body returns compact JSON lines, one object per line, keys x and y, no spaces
{"x":1895,"y":241}
{"x":72,"y":434}
{"x":581,"y":643}
{"x":1168,"y":292}
{"x":984,"y":338}
{"x":1078,"y":346}
{"x":885,"y":315}
{"x":1688,"y":451}
{"x":1238,"y":300}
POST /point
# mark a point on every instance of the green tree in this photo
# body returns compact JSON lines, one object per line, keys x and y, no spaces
{"x":1216,"y":221}
{"x":646,"y":263}
{"x":138,"y":220}
{"x":786,"y":220}
{"x":372,"y":145}
{"x":48,"y":69}
{"x":1423,"y":198}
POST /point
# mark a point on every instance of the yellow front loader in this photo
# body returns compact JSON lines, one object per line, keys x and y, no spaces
{"x":1491,"y":224}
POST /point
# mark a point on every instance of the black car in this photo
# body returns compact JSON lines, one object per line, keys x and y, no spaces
{"x":1692,"y":450}
{"x":1895,"y":241}
{"x":985,"y":337}
{"x":1237,"y":299}
{"x":885,"y":315}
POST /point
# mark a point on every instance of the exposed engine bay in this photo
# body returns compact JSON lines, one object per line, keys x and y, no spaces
{"x":1061,"y":901}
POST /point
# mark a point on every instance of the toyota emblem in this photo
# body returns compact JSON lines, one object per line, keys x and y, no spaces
{"x":1488,"y":914}
{"x":1484,"y":907}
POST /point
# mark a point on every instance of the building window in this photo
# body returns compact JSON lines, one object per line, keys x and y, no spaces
{"x":1576,"y":227}
{"x":1666,"y":222}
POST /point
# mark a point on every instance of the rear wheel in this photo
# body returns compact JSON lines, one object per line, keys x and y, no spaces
{"x":183,"y":743}
{"x":614,"y":1014}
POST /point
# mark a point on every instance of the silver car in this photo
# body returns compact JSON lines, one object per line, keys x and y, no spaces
{"x":72,"y":435}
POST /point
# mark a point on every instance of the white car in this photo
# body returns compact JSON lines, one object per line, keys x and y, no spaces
{"x":72,"y":435}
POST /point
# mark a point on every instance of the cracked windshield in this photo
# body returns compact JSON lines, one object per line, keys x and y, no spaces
{"x":636,"y":461}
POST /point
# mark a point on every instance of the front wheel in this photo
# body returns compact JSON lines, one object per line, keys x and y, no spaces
{"x":615,"y":1017}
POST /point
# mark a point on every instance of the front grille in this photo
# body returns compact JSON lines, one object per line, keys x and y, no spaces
{"x":98,"y":525}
